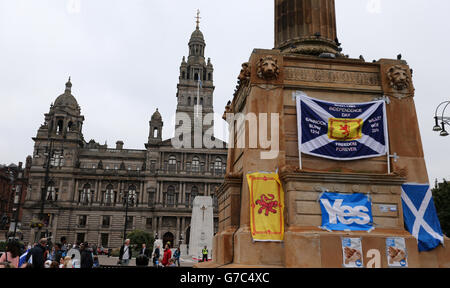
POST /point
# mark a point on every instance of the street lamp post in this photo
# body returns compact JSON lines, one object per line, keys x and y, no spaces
{"x":126,"y":216}
{"x":440,"y":127}
{"x":44,"y":190}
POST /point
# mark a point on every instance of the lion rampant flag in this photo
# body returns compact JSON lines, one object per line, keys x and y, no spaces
{"x":266,"y":207}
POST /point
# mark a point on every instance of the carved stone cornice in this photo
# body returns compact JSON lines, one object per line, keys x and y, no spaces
{"x":341,"y":178}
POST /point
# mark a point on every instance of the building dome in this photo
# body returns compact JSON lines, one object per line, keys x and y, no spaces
{"x":156,"y":116}
{"x":197,"y":35}
{"x":67,"y":99}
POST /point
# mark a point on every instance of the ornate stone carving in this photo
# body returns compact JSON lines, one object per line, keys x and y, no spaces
{"x":244,"y":75}
{"x":228,"y":110}
{"x":268,"y":68}
{"x":398,"y":78}
{"x":332,"y":76}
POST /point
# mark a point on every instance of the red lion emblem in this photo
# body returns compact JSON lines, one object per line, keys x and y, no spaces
{"x":346,"y":129}
{"x":267,"y":204}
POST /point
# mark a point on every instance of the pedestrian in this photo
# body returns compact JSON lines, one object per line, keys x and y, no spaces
{"x":145,"y":251}
{"x":64,"y":246}
{"x":11,"y":256}
{"x":125,"y":253}
{"x":176,"y":256}
{"x":58,"y":252}
{"x":167,"y":255}
{"x":37,"y":254}
{"x":171,"y":263}
{"x":156,"y":256}
{"x":87,"y":260}
{"x":205,"y":254}
{"x":142,"y":261}
{"x":54,"y":265}
{"x":96,"y":262}
{"x":67,"y":262}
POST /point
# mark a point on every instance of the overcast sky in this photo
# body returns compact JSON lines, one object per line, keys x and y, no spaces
{"x":124,"y":57}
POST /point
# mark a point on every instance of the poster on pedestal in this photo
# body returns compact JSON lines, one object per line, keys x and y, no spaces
{"x":396,"y":252}
{"x":352,"y":253}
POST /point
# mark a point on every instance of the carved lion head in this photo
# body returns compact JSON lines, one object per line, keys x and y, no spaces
{"x":398,"y":77}
{"x":268,"y":68}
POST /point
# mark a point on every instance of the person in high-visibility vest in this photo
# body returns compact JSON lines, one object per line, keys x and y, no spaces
{"x":205,"y":254}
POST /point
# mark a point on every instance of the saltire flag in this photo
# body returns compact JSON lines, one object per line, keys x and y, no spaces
{"x":342,"y":131}
{"x":22,"y":258}
{"x":420,"y":216}
{"x":266,"y":207}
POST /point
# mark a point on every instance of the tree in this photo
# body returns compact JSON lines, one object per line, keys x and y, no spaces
{"x":138,"y":237}
{"x":441,"y":195}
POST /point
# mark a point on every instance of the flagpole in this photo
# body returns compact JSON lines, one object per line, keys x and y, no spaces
{"x":387,"y":139}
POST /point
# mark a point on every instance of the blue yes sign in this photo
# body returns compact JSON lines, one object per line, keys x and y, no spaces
{"x":342,"y":212}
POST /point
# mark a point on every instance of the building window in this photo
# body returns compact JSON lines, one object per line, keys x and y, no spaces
{"x":194,"y":193}
{"x":57,"y":159}
{"x":215,"y":201}
{"x":52,"y":192}
{"x":129,"y":222}
{"x":148,"y":223}
{"x":195,"y":165}
{"x":132,"y":196}
{"x":171,"y":196}
{"x":59,"y":130}
{"x":82,"y":221}
{"x":153,"y":166}
{"x":172,"y":164}
{"x":104,"y":239}
{"x":106,"y":221}
{"x":218,"y":166}
{"x":109,"y":195}
{"x":151,"y":198}
{"x":80,"y":237}
{"x":85,"y":197}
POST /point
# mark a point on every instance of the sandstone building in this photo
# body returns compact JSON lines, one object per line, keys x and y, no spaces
{"x":88,"y":183}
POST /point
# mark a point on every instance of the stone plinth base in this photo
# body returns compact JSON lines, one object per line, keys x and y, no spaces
{"x":310,"y":247}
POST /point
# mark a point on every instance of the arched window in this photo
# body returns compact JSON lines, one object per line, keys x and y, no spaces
{"x":218,"y":166}
{"x":59,"y":130}
{"x":196,"y":76}
{"x":183,"y":75}
{"x":172,"y":164}
{"x":201,"y":101}
{"x":85,"y":197}
{"x":171,"y":196}
{"x":209,"y":76}
{"x":132,"y":197}
{"x":109,"y":195}
{"x":195,"y":164}
{"x":189,"y":101}
{"x":51,"y":192}
{"x":69,"y":126}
